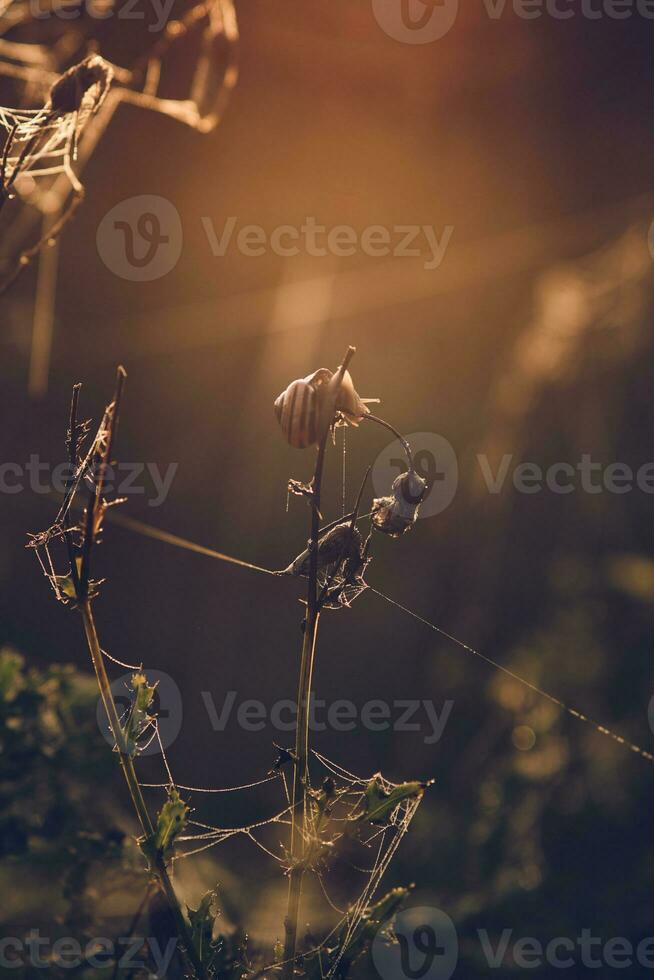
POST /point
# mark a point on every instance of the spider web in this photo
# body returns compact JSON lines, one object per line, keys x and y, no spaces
{"x":377,"y":844}
{"x":341,"y":813}
{"x":54,"y":191}
{"x":344,"y":818}
{"x":41,"y":144}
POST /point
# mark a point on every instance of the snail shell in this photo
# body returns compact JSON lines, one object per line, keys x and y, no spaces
{"x":298,"y":409}
{"x":307,"y":408}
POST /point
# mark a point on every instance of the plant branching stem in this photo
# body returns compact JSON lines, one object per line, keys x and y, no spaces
{"x":301,"y":784}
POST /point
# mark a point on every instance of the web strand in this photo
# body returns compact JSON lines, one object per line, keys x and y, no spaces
{"x":148,"y":531}
{"x":602,"y":729}
{"x":130,"y":524}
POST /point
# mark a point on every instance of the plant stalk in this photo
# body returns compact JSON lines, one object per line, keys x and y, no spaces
{"x":127,"y":765}
{"x":301,"y":771}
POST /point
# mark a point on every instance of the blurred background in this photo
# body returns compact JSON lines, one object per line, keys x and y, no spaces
{"x":532,"y":339}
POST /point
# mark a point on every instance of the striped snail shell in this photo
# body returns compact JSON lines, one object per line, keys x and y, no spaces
{"x":307,"y":408}
{"x":299,"y":409}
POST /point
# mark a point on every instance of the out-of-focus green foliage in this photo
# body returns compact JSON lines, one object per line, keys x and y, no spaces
{"x":51,"y":758}
{"x":65,"y":864}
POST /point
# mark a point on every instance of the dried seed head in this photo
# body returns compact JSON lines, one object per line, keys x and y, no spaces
{"x":342,"y":561}
{"x":340,"y":544}
{"x":396,"y":514}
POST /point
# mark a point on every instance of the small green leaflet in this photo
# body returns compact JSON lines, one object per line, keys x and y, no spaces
{"x":139,"y":717}
{"x":202,"y":922}
{"x":170,"y":823}
{"x":65,"y":585}
{"x":278,"y":951}
{"x":379,"y":804}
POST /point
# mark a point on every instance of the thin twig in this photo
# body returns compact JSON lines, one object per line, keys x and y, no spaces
{"x":95,"y":507}
{"x":72,"y":447}
{"x":391,"y":428}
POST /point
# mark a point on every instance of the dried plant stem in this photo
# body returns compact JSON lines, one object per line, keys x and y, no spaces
{"x":126,"y":762}
{"x":301,"y":772}
{"x":391,"y":428}
{"x":82,"y":580}
{"x":129,"y":772}
{"x":301,"y":784}
{"x":127,"y":765}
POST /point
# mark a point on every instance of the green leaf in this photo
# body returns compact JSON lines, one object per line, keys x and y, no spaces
{"x":139,"y":717}
{"x":170,"y":823}
{"x":379,"y":804}
{"x":376,"y":918}
{"x":380,"y":914}
{"x":66,"y":586}
{"x":202,"y":922}
{"x":278,"y":951}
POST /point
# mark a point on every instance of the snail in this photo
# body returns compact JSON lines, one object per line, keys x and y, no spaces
{"x":309,"y":407}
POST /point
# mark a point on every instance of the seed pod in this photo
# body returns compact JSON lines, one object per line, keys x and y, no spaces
{"x":396,"y":514}
{"x":308,"y":408}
